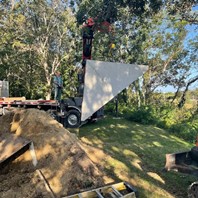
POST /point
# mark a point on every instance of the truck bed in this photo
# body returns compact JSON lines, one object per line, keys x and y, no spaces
{"x":23,"y":102}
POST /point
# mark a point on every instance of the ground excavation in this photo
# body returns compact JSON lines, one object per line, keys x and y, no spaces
{"x":63,"y":166}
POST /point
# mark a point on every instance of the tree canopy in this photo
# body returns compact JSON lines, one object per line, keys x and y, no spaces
{"x":39,"y":37}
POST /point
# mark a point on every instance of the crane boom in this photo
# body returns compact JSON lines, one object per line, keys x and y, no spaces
{"x":89,"y":27}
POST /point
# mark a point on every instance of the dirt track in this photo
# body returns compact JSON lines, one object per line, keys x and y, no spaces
{"x":61,"y":159}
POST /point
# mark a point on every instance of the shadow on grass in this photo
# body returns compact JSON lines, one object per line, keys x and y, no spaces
{"x":136,"y":153}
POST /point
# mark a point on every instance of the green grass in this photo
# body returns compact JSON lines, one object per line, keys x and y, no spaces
{"x":136,"y":153}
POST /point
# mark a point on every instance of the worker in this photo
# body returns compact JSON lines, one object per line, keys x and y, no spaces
{"x":58,"y":86}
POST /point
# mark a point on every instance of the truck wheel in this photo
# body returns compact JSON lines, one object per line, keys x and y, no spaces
{"x":72,"y":119}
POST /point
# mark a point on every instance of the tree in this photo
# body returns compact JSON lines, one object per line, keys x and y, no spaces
{"x":169,"y":55}
{"x":53,"y":27}
{"x":42,"y":31}
{"x":130,"y":20}
{"x":183,"y":97}
{"x":183,"y":10}
{"x":39,"y":37}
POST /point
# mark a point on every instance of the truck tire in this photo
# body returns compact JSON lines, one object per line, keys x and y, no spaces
{"x":72,"y":119}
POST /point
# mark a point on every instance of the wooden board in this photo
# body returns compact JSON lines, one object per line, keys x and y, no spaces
{"x":12,"y":147}
{"x":11,"y":99}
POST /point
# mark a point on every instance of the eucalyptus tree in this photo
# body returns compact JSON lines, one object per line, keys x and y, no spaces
{"x":170,"y":60}
{"x":11,"y":61}
{"x":43,"y":41}
{"x":186,"y":10}
{"x":52,"y":27}
{"x":165,"y":49}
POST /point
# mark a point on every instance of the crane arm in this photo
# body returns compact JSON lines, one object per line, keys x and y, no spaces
{"x":89,"y":27}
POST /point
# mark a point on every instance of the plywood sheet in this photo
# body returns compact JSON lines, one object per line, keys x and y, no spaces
{"x":12,"y":146}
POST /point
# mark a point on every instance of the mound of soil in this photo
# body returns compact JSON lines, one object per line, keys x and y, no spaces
{"x":63,"y":166}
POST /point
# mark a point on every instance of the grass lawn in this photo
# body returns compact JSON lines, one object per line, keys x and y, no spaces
{"x":135,"y":153}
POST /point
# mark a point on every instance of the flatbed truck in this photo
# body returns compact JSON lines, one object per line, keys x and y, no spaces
{"x":67,"y":111}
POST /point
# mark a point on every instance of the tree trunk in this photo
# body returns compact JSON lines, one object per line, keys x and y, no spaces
{"x":49,"y":90}
{"x":183,"y":98}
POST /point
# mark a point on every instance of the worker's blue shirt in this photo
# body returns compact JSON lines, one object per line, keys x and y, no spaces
{"x":58,"y":82}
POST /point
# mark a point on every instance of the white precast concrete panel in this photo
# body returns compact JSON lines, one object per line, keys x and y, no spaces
{"x":104,"y":80}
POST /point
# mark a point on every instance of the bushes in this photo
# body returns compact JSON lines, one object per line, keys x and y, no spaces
{"x":150,"y":114}
{"x":144,"y":115}
{"x":182,"y":122}
{"x":187,"y":131}
{"x":110,"y":108}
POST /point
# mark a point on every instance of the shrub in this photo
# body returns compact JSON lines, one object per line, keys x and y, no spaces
{"x":181,"y":122}
{"x":144,"y":115}
{"x":185,"y":130}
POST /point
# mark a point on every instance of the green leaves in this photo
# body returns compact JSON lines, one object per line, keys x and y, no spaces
{"x":38,"y":37}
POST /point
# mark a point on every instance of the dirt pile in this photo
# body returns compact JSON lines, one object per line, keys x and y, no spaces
{"x":61,"y":159}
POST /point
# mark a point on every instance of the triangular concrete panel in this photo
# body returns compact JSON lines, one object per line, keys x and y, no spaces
{"x":104,"y":80}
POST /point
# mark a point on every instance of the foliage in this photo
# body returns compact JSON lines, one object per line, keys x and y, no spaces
{"x":143,"y":115}
{"x":110,"y":10}
{"x":39,"y":37}
{"x":36,"y":41}
{"x":186,"y":130}
{"x":183,"y":10}
{"x":187,"y":125}
{"x":161,"y":112}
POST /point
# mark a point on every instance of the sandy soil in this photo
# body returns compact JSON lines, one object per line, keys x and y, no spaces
{"x":61,"y":159}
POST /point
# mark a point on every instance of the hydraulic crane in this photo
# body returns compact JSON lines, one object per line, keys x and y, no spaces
{"x":89,"y":27}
